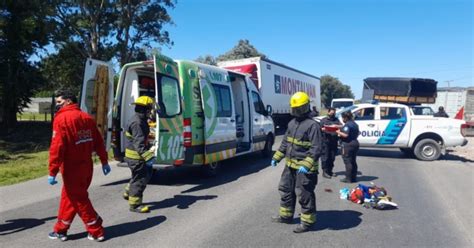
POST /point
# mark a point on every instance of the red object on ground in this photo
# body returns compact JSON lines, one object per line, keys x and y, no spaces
{"x":75,"y":137}
{"x":460,"y":114}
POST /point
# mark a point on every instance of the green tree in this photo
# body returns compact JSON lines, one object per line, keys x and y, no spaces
{"x":107,"y":28}
{"x":208,"y":59}
{"x":332,"y":87}
{"x":241,"y":51}
{"x":24,"y":30}
{"x":64,"y":69}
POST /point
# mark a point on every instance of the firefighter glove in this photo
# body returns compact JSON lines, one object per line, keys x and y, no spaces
{"x":52,"y":180}
{"x":150,"y":162}
{"x":106,"y":169}
{"x":274,"y":163}
{"x":303,"y":170}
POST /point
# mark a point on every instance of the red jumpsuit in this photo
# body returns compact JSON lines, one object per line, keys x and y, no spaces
{"x":75,"y":138}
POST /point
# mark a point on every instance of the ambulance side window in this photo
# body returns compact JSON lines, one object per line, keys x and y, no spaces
{"x":224,"y":102}
{"x":258,"y":104}
{"x":364,"y":114}
{"x":169,"y":96}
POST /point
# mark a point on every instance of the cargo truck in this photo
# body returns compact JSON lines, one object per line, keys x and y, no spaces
{"x":276,"y":83}
{"x":411,"y":91}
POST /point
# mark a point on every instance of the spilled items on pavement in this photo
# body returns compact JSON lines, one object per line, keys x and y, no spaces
{"x":369,"y":196}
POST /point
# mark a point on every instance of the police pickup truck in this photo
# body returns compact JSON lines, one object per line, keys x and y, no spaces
{"x":396,"y":126}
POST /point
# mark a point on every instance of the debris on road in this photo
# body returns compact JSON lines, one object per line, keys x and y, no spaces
{"x":369,"y":196}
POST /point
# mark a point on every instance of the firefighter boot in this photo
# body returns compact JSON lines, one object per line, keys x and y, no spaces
{"x":139,"y":209}
{"x":301,"y":228}
{"x":279,"y":219}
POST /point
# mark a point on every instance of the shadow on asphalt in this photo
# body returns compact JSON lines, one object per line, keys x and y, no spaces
{"x":337,"y":220}
{"x":394,"y":153}
{"x":125,"y":229}
{"x":360,"y":177}
{"x":180,"y":201}
{"x":229,"y":171}
{"x":18,"y":225}
{"x":453,"y":157}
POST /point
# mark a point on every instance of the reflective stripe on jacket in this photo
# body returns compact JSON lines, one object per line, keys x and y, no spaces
{"x":136,"y":142}
{"x":301,"y":145}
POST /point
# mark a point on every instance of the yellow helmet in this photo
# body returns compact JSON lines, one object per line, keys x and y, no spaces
{"x":299,"y":99}
{"x":144,"y":101}
{"x":299,"y":103}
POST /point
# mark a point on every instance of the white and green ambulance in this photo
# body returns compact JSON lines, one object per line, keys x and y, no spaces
{"x":205,"y":115}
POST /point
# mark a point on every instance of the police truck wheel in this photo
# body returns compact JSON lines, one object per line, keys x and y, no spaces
{"x":211,"y":169}
{"x":427,"y":150}
{"x":267,"y":151}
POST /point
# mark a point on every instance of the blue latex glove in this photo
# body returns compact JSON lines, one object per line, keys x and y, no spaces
{"x":106,"y":169}
{"x":52,"y":180}
{"x":303,"y":170}
{"x":150,"y":162}
{"x":274,"y":163}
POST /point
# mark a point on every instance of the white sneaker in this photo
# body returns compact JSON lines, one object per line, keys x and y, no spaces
{"x":98,"y":239}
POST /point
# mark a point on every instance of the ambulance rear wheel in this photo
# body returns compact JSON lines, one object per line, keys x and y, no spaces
{"x":267,"y":151}
{"x":427,"y":150}
{"x":211,"y":169}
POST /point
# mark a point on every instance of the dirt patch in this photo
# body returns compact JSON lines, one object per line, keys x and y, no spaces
{"x":465,"y":153}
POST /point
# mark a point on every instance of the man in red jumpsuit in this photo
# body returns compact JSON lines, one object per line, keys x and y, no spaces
{"x":75,"y":138}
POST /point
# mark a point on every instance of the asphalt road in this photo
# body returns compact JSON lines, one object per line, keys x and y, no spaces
{"x":234,"y":209}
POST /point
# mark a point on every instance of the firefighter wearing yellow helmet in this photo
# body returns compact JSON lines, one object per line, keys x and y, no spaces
{"x":138,"y":155}
{"x":301,"y":149}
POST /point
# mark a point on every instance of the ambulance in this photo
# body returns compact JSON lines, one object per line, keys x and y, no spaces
{"x":204,"y":114}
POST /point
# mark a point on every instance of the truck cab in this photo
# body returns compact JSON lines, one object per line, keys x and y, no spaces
{"x":340,"y":103}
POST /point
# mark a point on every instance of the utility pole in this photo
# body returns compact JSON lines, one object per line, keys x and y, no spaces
{"x":446,"y":96}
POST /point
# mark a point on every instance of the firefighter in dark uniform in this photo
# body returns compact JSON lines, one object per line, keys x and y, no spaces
{"x":329,"y":143}
{"x":301,"y":148}
{"x":349,"y":146}
{"x":138,"y":155}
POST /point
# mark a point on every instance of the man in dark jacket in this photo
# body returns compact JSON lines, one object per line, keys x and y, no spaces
{"x":314,"y":112}
{"x":441,"y":113}
{"x":138,"y":155}
{"x":329,"y":144}
{"x":301,"y":148}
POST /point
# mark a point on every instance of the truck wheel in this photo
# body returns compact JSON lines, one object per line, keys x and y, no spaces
{"x":211,"y":169}
{"x":407,"y":152}
{"x":427,"y":150}
{"x":267,"y":151}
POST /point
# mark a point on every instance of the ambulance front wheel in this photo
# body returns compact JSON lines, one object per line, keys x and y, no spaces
{"x":267,"y":151}
{"x":211,"y":169}
{"x":427,"y":150}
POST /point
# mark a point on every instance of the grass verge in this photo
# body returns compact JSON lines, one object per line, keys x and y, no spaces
{"x":24,"y":152}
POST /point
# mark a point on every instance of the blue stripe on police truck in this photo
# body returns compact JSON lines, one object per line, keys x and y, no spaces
{"x":392,"y":132}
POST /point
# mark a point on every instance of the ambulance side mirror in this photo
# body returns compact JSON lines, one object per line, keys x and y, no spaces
{"x":269,"y":110}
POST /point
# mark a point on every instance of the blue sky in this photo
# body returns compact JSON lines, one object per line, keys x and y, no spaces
{"x":348,"y":39}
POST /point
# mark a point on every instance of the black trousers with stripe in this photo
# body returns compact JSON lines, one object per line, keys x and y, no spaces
{"x":141,"y":174}
{"x":304,"y":184}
